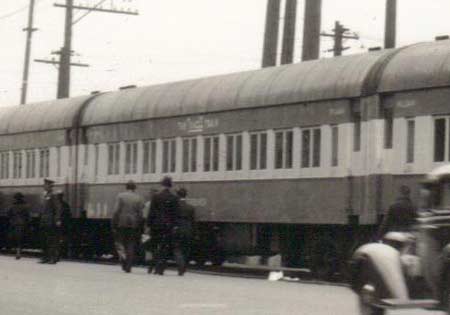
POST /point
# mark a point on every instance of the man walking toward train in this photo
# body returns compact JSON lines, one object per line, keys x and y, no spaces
{"x":127,"y":223}
{"x":161,"y":221}
{"x":183,"y":232}
{"x":49,"y":224}
{"x":400,"y":215}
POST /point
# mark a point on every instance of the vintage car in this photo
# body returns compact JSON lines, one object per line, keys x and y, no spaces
{"x":409,"y":270}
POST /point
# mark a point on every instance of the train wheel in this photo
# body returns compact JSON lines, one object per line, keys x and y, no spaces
{"x":324,"y":262}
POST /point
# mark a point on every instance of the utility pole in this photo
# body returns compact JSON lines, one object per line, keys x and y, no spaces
{"x":390,"y":27}
{"x":66,"y":51}
{"x":290,"y":17}
{"x":270,"y":48}
{"x":26,"y":67}
{"x":339,"y":34}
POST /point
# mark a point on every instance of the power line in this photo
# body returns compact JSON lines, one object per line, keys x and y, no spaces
{"x":15,"y":12}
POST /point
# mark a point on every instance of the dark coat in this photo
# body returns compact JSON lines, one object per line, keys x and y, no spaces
{"x":186,"y":219}
{"x":66,"y":216}
{"x":50,"y":215}
{"x":399,"y":217}
{"x":163,"y":210}
{"x":128,"y":210}
{"x":19,"y":214}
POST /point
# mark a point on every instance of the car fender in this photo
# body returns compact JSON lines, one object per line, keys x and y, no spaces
{"x":385,"y":261}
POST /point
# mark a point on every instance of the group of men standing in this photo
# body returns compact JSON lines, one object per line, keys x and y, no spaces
{"x":54,"y":221}
{"x":169,"y":222}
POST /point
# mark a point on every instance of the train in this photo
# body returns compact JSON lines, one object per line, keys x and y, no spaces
{"x":298,"y":160}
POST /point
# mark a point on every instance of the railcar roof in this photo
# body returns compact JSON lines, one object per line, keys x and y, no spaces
{"x":413,"y":67}
{"x":419,"y":66}
{"x":303,"y":82}
{"x":56,"y":114}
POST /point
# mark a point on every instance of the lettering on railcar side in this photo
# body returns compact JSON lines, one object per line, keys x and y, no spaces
{"x":406,"y":103}
{"x":197,"y":202}
{"x":198,"y":124}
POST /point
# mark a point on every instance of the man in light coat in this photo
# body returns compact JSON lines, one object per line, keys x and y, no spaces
{"x":127,"y":222}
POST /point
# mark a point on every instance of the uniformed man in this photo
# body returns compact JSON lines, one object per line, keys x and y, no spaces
{"x":19,"y":218}
{"x":66,"y":224}
{"x":161,"y":221}
{"x":50,"y":224}
{"x":183,"y":233}
{"x":127,"y":222}
{"x":400,"y":216}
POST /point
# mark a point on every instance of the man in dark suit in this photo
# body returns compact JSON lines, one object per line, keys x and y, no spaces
{"x":183,"y":233}
{"x":19,"y":218}
{"x":400,"y":216}
{"x":127,"y":223}
{"x":161,"y":221}
{"x":49,"y":224}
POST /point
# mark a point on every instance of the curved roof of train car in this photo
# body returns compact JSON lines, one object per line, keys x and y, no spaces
{"x":331,"y":78}
{"x":421,"y":66}
{"x":50,"y":115}
{"x":411,"y":67}
{"x":417,"y":66}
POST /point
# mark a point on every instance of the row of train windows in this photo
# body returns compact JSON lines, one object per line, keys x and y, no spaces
{"x":19,"y":170}
{"x":283,"y":153}
{"x":34,"y":163}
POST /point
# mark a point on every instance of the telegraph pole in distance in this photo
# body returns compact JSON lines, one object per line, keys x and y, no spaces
{"x":339,"y":34}
{"x":26,"y":67}
{"x":66,"y":50}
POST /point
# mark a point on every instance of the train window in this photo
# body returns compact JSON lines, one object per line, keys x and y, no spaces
{"x":334,"y":145}
{"x":190,"y":155}
{"x":169,"y":156}
{"x":411,"y":126}
{"x":4,"y":165}
{"x":44,"y":157}
{"x":86,"y":154}
{"x":283,"y":149}
{"x":234,"y":152}
{"x":96,"y":156}
{"x":388,"y":116}
{"x":149,"y":162}
{"x":58,"y":161}
{"x":211,"y":154}
{"x":356,"y":132}
{"x":17,"y":164}
{"x":113,"y":158}
{"x":440,"y":126}
{"x":31,"y":164}
{"x":258,"y":150}
{"x":131,"y":149}
{"x":311,"y":143}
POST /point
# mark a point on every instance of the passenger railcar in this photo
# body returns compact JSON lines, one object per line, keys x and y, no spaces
{"x":299,"y":160}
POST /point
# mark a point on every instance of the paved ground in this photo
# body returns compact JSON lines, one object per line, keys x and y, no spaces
{"x":83,"y":289}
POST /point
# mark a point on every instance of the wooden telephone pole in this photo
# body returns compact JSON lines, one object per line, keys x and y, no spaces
{"x":26,"y":68}
{"x":66,"y":51}
{"x":339,"y":34}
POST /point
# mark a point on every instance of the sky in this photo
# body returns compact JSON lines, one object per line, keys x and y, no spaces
{"x":174,"y":40}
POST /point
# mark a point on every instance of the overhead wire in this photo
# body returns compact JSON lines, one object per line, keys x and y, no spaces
{"x":17,"y":11}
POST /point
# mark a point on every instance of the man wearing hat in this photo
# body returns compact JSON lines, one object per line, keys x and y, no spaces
{"x":127,"y":223}
{"x":19,"y":218}
{"x":49,"y":223}
{"x":66,"y":224}
{"x":161,"y":221}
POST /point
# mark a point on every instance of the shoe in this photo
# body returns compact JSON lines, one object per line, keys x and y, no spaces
{"x":43,"y":261}
{"x":52,"y":262}
{"x":150,"y":270}
{"x":181,"y":272}
{"x":17,"y":256}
